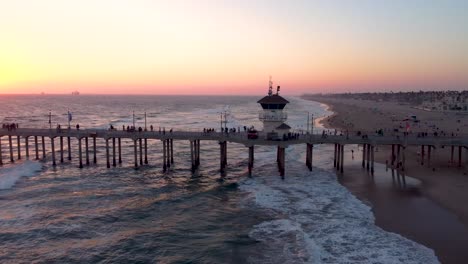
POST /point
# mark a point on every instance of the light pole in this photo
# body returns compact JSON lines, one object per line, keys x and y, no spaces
{"x":133,"y":118}
{"x":307,"y":122}
{"x":145,"y":120}
{"x":312,"y":128}
{"x":50,"y":119}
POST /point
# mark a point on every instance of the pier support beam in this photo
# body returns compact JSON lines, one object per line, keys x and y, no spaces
{"x":459,"y":156}
{"x":87,"y":151}
{"x":135,"y":152}
{"x":403,"y":158}
{"x":192,"y":155}
{"x":26,"y":145}
{"x":338,"y":157}
{"x":107,"y":153}
{"x":422,"y":155}
{"x":36,"y":147}
{"x":80,"y":153}
{"x":372,"y":159}
{"x":451,"y":156}
{"x":146,"y":151}
{"x":368,"y":157}
{"x":309,"y":154}
{"x":61,"y":149}
{"x":342,"y":158}
{"x":429,"y":148}
{"x":1,"y":154}
{"x":120,"y":150}
{"x":43,"y":148}
{"x":164,"y":156}
{"x":363,"y":155}
{"x":398,"y":156}
{"x":168,"y":153}
{"x":52,"y":145}
{"x":18,"y":144}
{"x":141,"y":151}
{"x":223,"y":156}
{"x":94,"y":150}
{"x":172,"y":150}
{"x":251,"y":159}
{"x":11,"y":149}
{"x":393,"y":155}
{"x":114,"y":158}
{"x":69,"y":147}
{"x":282,"y":159}
{"x":335,"y":155}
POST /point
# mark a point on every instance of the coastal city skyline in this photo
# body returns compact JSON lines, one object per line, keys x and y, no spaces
{"x":185,"y":47}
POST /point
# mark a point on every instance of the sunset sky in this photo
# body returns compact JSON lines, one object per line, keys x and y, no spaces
{"x":231,"y":47}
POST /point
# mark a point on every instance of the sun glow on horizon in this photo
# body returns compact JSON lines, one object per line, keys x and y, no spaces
{"x":185,"y":47}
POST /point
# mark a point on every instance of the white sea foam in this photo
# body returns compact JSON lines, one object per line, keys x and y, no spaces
{"x":320,"y":221}
{"x":9,"y":175}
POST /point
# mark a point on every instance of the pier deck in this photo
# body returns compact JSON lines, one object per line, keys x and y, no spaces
{"x":399,"y":142}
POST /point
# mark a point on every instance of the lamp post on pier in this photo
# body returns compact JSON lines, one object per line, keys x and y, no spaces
{"x":50,"y":119}
{"x":145,"y":120}
{"x":133,"y":118}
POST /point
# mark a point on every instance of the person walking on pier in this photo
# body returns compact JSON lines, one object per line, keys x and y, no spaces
{"x":77,"y":126}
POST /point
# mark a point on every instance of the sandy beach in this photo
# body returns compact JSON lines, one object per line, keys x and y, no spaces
{"x":441,"y":181}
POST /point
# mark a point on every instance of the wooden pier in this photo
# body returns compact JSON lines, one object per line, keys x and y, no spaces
{"x":113,"y":146}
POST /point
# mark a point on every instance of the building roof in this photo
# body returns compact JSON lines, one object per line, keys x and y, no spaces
{"x":284,"y":126}
{"x":273,"y":99}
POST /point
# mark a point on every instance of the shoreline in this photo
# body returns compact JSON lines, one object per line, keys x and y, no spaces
{"x":438,"y":212}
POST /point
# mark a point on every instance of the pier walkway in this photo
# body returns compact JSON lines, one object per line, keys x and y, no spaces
{"x":140,"y":146}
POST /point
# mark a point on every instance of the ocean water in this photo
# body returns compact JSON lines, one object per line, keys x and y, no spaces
{"x":95,"y":214}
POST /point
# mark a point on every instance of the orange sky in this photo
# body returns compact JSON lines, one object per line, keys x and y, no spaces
{"x":223,"y":47}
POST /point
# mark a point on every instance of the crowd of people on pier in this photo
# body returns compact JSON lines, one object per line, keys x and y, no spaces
{"x":10,"y":127}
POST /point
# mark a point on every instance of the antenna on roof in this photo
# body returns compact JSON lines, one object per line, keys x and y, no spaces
{"x":277,"y":90}
{"x":270,"y":87}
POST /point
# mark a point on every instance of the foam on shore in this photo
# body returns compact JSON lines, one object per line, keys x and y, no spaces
{"x":9,"y":175}
{"x":317,"y":220}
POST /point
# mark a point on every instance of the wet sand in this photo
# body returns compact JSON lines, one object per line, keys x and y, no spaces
{"x":401,"y":206}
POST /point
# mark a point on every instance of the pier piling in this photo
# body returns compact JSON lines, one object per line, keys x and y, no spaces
{"x":107,"y":153}
{"x":459,"y":156}
{"x":335,"y":155}
{"x":26,"y":145}
{"x":94,"y":150}
{"x":368,"y":157}
{"x":11,"y":149}
{"x":61,"y":149}
{"x":141,"y":151}
{"x":135,"y":142}
{"x":251,"y":159}
{"x":422,"y":155}
{"x":172,"y":151}
{"x":146,"y":151}
{"x":52,"y":145}
{"x":363,"y":155}
{"x":114,"y":160}
{"x":69,"y":148}
{"x":80,"y":154}
{"x":372,"y":159}
{"x":120,"y":150}
{"x":164,"y":157}
{"x":36,"y":147}
{"x":43,"y":148}
{"x":87,"y":151}
{"x":1,"y":154}
{"x":342,"y":159}
{"x":18,"y":144}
